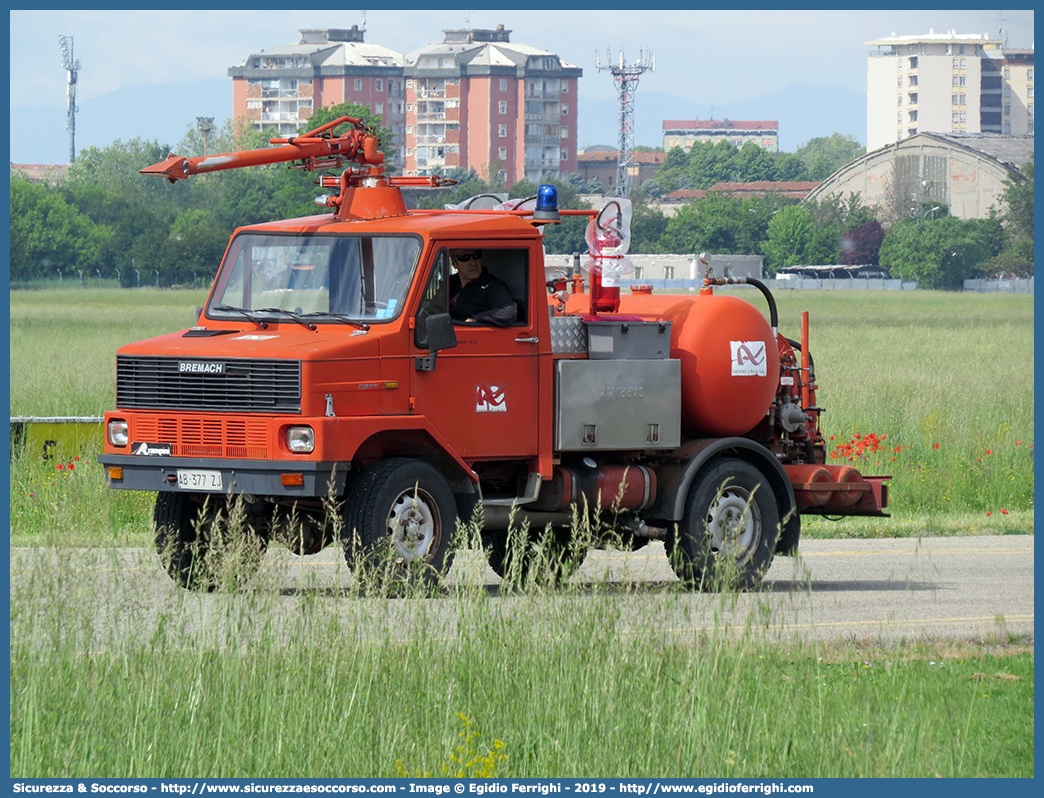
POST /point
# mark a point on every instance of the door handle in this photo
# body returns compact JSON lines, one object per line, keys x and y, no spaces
{"x":527,"y":340}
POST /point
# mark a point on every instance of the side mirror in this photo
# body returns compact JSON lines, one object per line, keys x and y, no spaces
{"x":441,"y":335}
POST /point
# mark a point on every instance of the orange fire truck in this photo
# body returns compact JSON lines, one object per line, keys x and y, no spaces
{"x":327,"y":387}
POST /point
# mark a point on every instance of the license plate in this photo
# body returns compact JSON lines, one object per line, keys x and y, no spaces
{"x":199,"y":479}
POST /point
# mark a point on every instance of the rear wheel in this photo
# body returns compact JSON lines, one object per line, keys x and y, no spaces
{"x":400,"y":510}
{"x":727,"y":536}
{"x":205,"y":543}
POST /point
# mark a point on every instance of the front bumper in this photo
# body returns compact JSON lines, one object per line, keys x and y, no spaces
{"x":257,"y":477}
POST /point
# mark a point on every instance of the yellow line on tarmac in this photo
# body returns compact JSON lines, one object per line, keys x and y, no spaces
{"x":921,"y":621}
{"x":1026,"y":550}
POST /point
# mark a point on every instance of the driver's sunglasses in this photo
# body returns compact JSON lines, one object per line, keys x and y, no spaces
{"x":466,"y":258}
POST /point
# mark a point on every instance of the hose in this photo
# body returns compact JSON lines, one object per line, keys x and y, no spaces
{"x":773,"y":314}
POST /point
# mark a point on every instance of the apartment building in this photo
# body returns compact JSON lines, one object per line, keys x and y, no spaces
{"x":1007,"y":93}
{"x":684,"y":133}
{"x":478,"y":100}
{"x":278,"y":89}
{"x":946,"y":83}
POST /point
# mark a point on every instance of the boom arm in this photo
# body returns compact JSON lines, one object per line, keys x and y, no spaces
{"x":313,"y":149}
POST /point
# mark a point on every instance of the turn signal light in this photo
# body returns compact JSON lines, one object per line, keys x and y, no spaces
{"x":115,"y":472}
{"x":291,"y":480}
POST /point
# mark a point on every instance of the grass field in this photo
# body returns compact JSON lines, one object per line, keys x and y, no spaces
{"x":477,"y":684}
{"x":945,"y":382}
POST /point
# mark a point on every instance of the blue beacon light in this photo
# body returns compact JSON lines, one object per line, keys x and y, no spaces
{"x":547,"y":204}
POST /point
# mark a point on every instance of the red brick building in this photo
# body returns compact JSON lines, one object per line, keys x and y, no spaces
{"x":603,"y":165}
{"x":278,"y":89}
{"x":476,"y":100}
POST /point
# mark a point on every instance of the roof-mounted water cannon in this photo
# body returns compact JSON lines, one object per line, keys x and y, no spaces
{"x":316,"y":149}
{"x":608,"y":238}
{"x":356,"y":149}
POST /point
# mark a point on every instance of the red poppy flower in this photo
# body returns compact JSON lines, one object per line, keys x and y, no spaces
{"x":1004,"y":512}
{"x":935,"y":445}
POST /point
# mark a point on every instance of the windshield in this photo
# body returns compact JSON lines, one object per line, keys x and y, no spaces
{"x":358,"y":277}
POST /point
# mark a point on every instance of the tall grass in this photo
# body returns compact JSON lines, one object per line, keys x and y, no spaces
{"x":114,"y":675}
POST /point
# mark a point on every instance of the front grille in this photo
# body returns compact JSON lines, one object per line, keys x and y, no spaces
{"x":208,"y":384}
{"x":244,"y":439}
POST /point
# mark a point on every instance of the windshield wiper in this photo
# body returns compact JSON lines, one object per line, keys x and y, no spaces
{"x":291,"y":314}
{"x":232,"y":309}
{"x":340,"y":318}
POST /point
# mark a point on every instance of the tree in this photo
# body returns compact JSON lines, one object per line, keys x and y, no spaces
{"x":711,"y":163}
{"x":1016,"y":257}
{"x":824,"y":155}
{"x":117,"y":168}
{"x":48,"y":235}
{"x":861,"y":245}
{"x":789,"y":168}
{"x":711,"y":224}
{"x":1017,"y":202}
{"x":753,"y":163}
{"x":647,"y":228}
{"x":940,"y":253}
{"x":789,"y":235}
{"x":193,"y":249}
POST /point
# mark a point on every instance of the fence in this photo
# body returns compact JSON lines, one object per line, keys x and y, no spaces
{"x":999,"y":286}
{"x":785,"y":285}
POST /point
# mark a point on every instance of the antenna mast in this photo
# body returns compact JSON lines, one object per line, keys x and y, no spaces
{"x":626,"y":78}
{"x":72,"y":69}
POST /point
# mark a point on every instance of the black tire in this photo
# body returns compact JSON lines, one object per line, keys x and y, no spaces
{"x":198,"y":547}
{"x":512,"y":556}
{"x":403,"y":510}
{"x":727,"y":536}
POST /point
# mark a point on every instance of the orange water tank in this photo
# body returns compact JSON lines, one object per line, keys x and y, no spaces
{"x":729,"y":359}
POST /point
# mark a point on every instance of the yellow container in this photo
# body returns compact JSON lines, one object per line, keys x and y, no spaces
{"x":56,"y":437}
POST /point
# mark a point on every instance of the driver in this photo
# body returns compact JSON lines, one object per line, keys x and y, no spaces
{"x":475,"y":294}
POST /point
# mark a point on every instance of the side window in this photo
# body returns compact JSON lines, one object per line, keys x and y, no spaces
{"x":512,"y":267}
{"x":435,"y":299}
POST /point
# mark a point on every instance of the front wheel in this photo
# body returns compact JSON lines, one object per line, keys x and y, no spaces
{"x":728,"y":534}
{"x":401,"y":509}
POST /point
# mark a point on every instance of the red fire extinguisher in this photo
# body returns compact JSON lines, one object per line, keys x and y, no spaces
{"x":604,"y":241}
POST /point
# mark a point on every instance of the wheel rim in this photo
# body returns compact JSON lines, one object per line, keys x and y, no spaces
{"x":734,"y":524}
{"x":414,"y":525}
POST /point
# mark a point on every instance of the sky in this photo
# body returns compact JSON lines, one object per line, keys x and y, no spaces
{"x":701,"y":56}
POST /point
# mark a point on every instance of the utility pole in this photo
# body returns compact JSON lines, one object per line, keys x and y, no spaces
{"x":626,"y":78}
{"x":204,"y":124}
{"x":72,"y":69}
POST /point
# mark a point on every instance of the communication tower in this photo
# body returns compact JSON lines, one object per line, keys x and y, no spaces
{"x":72,"y":69}
{"x":626,"y":78}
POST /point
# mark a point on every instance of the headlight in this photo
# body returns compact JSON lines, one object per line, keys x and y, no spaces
{"x":117,"y":432}
{"x":300,"y":439}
